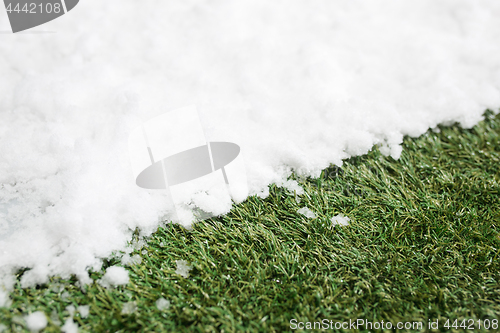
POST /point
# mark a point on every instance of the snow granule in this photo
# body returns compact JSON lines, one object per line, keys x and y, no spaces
{"x":7,"y":282}
{"x":297,"y":85}
{"x":128,"y":260}
{"x":340,"y":220}
{"x":18,"y":320}
{"x":71,"y":309}
{"x":69,"y":326}
{"x":57,"y":287}
{"x":5,"y":300}
{"x":138,"y":244}
{"x":183,"y":268}
{"x":292,"y":186}
{"x":36,"y":321}
{"x":306,"y":212}
{"x":84,"y":310}
{"x":129,"y":308}
{"x":55,"y":318}
{"x":115,"y":276}
{"x":162,"y":304}
{"x":65,"y":296}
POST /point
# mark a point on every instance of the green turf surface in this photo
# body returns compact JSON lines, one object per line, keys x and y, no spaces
{"x":423,"y":243}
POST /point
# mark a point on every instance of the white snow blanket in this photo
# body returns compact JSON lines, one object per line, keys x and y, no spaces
{"x":297,"y":84}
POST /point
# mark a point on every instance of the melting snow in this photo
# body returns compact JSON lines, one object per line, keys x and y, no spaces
{"x":340,"y":220}
{"x":129,"y":308}
{"x":69,"y":326}
{"x":183,"y":268}
{"x":83,"y":310}
{"x":162,"y":304}
{"x":54,"y":317}
{"x":307,"y":212}
{"x":131,"y":260}
{"x":71,"y":309}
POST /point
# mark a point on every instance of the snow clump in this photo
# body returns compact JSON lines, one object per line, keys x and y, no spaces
{"x":128,"y":260}
{"x":340,"y":220}
{"x":183,"y":268}
{"x":307,"y":212}
{"x":115,"y":276}
{"x":129,"y":308}
{"x":162,"y":304}
{"x":36,"y":321}
{"x":84,"y":310}
{"x":69,"y":326}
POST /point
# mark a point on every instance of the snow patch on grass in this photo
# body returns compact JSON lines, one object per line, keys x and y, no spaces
{"x":307,"y":212}
{"x":340,"y":220}
{"x":128,"y":260}
{"x":162,"y":304}
{"x":129,"y":308}
{"x":114,"y":276}
{"x":69,"y":326}
{"x":183,"y":268}
{"x":36,"y":321}
{"x":84,"y":310}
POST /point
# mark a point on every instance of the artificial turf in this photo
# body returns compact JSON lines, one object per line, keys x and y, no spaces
{"x":423,"y":244}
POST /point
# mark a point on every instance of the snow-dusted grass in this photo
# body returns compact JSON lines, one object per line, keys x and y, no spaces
{"x":422,"y":242}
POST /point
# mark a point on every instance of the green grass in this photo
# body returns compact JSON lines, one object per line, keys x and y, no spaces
{"x":423,"y":243}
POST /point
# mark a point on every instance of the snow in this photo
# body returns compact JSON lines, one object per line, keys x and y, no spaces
{"x":69,"y":326}
{"x":19,"y":320}
{"x":54,"y":317}
{"x":129,"y":308}
{"x":7,"y":282}
{"x":307,"y":212}
{"x":36,"y":321}
{"x":5,"y":300}
{"x":340,"y":220}
{"x":183,"y":268}
{"x":138,"y":244}
{"x":292,"y":186}
{"x":115,"y":276}
{"x":131,"y":260}
{"x":297,"y":85}
{"x":128,"y":260}
{"x":162,"y":304}
{"x":83,"y":310}
{"x":65,"y":296}
{"x":57,"y":287}
{"x":71,"y":310}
